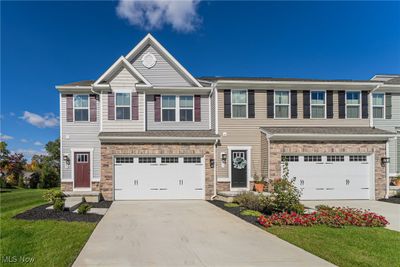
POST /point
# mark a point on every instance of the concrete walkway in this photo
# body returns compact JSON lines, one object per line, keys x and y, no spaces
{"x":185,"y":233}
{"x":389,"y":210}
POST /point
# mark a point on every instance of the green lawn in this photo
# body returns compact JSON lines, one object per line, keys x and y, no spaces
{"x":350,"y":246}
{"x":49,"y":243}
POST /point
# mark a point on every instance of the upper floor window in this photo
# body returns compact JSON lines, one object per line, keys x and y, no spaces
{"x":378,"y":105}
{"x":239,"y":103}
{"x":186,"y":108}
{"x":353,"y":105}
{"x":318,"y":104}
{"x":168,"y":107}
{"x":123,"y":106}
{"x":282,"y":104}
{"x":81,"y":107}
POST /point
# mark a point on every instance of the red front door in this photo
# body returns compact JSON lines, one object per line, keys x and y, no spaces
{"x":82,"y":169}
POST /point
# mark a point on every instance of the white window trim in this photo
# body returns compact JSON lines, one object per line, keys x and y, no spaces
{"x":178,"y":104}
{"x":240,"y":104}
{"x":379,"y":106}
{"x":311,"y":104}
{"x":73,"y":107}
{"x":123,"y":106}
{"x":289,"y":109}
{"x":353,"y":105}
{"x":81,"y":150}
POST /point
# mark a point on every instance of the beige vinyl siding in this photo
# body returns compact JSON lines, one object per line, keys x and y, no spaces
{"x":245,"y":132}
{"x":123,"y":81}
{"x":162,"y":74}
{"x":392,"y":125}
{"x":179,"y":125}
{"x":79,"y":135}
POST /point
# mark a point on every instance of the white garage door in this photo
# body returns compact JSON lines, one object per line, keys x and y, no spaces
{"x":169,"y":177}
{"x":332,"y":176}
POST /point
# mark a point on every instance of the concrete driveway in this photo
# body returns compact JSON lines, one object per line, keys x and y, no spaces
{"x":185,"y":233}
{"x":389,"y":210}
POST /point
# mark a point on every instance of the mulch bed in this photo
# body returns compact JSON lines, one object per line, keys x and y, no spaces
{"x":235,"y":211}
{"x":394,"y":200}
{"x":41,"y":213}
{"x":101,"y":204}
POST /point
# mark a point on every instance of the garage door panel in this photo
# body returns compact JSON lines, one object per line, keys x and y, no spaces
{"x":327,"y":179}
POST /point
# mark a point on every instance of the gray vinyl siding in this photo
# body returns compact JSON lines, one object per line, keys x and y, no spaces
{"x":79,"y":135}
{"x":179,"y":125}
{"x":246,"y":132}
{"x":392,"y":125}
{"x":124,"y":81}
{"x":212,"y":102}
{"x":162,"y":74}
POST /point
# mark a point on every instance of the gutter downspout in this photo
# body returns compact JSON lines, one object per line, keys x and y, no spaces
{"x":215,"y":170}
{"x":387,"y":171}
{"x":269,"y":156}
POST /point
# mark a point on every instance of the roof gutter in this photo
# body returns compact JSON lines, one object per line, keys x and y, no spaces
{"x":156,"y":139}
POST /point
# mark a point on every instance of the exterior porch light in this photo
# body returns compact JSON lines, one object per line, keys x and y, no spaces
{"x":385,"y":161}
{"x":66,"y":159}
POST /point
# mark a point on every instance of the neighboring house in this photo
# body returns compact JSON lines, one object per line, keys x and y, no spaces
{"x":386,"y":115}
{"x":147,"y":129}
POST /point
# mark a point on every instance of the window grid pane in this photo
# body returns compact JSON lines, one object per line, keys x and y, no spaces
{"x":353,"y":112}
{"x":168,"y":101}
{"x":281,"y":111}
{"x":312,"y":158}
{"x":318,"y":97}
{"x":186,"y":101}
{"x":378,"y":99}
{"x":239,"y":111}
{"x":81,"y":114}
{"x":186,"y":115}
{"x":147,"y":160}
{"x":353,"y":98}
{"x":318,"y":112}
{"x":169,"y":160}
{"x":282,"y":97}
{"x":123,"y":99}
{"x":378,"y":112}
{"x":239,"y":96}
{"x":192,"y":160}
{"x":81,"y":101}
{"x":123,"y":113}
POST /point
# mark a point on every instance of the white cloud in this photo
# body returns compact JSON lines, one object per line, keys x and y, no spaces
{"x":4,"y":137}
{"x":181,"y":15}
{"x":48,"y":120}
{"x":37,"y":143}
{"x":28,"y":153}
{"x":23,"y":140}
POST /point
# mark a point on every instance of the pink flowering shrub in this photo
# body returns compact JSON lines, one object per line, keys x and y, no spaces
{"x":334,"y":217}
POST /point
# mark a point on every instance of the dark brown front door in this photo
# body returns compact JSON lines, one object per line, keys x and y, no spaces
{"x":82,"y":169}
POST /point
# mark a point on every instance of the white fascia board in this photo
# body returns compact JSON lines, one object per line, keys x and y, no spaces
{"x":121,"y":62}
{"x":153,"y":139}
{"x":150,"y":39}
{"x":348,"y":137}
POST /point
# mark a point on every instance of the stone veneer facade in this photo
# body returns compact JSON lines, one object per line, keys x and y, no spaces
{"x":109,"y":150}
{"x":67,"y":186}
{"x":279,"y":148}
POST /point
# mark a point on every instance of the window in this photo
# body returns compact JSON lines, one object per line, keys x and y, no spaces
{"x":82,"y":158}
{"x":290,"y":158}
{"x":186,"y":108}
{"x":312,"y":158}
{"x":81,"y":107}
{"x":124,"y":160}
{"x":147,"y":160}
{"x":168,"y":107}
{"x":169,"y":160}
{"x":192,"y":160}
{"x":282,"y":104}
{"x":318,"y":104}
{"x":358,"y":158}
{"x":334,"y":158}
{"x":378,"y":105}
{"x":239,"y":103}
{"x":353,"y":105}
{"x":123,"y":106}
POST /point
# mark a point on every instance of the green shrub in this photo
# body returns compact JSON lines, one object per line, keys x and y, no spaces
{"x":286,"y":196}
{"x":252,"y":213}
{"x":231,"y":205}
{"x":59,"y":204}
{"x":323,"y":207}
{"x":52,"y":195}
{"x":252,"y":201}
{"x":84,"y":208}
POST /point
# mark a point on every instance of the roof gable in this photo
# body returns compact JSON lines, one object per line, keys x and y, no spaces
{"x":167,"y":71}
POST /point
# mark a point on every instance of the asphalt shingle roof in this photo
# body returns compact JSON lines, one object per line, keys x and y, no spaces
{"x":169,"y":133}
{"x":325,"y":130}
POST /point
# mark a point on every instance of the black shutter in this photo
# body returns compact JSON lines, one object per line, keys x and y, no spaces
{"x":227,"y":103}
{"x":293,"y":103}
{"x":329,"y":104}
{"x":342,"y":104}
{"x":388,"y":107}
{"x":364,"y":104}
{"x":270,"y":104}
{"x":251,"y":103}
{"x":306,"y":104}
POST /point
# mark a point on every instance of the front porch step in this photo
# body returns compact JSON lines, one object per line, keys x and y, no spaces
{"x":72,"y":203}
{"x":229,"y":196}
{"x":89,"y":196}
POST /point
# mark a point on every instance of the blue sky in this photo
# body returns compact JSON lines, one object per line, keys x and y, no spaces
{"x":48,"y":43}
